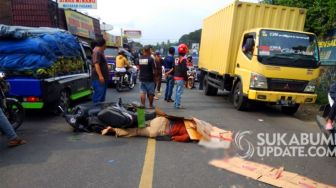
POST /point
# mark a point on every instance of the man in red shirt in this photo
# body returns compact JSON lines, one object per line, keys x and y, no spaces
{"x":180,"y":73}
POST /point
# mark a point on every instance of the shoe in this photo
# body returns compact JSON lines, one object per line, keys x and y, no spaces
{"x":16,"y":142}
{"x":156,"y":98}
{"x":179,"y":107}
{"x":170,"y":100}
{"x":329,"y":126}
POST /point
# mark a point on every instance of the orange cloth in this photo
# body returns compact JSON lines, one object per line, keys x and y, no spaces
{"x":179,"y":132}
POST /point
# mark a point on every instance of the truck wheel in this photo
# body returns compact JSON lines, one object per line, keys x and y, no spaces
{"x":209,"y":90}
{"x":64,"y":100}
{"x":239,"y":101}
{"x":290,"y":110}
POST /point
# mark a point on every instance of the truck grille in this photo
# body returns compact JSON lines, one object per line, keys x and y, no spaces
{"x":286,"y":85}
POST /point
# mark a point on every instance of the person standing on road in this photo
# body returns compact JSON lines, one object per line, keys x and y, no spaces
{"x":158,"y":73}
{"x":180,"y":74}
{"x":332,"y":103}
{"x":146,"y":77}
{"x":99,"y":71}
{"x":168,"y":64}
{"x":8,"y":130}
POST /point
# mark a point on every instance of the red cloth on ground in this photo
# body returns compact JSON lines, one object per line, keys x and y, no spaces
{"x":179,"y":132}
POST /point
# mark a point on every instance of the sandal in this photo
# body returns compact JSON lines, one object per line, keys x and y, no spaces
{"x":16,"y":142}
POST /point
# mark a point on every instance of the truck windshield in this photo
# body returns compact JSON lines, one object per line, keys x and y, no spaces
{"x":288,"y":49}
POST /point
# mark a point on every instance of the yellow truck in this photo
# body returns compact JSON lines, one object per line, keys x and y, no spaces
{"x":259,"y":52}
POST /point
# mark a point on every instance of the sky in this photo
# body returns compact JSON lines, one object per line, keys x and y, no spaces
{"x":159,"y":20}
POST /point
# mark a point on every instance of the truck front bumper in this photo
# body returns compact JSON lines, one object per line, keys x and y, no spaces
{"x":282,"y":97}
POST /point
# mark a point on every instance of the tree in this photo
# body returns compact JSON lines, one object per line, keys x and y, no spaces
{"x":321,"y":15}
{"x":193,"y":37}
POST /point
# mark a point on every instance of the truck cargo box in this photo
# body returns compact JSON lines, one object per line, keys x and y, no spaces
{"x":222,"y":32}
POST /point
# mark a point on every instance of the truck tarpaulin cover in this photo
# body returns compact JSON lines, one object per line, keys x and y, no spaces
{"x":23,"y":48}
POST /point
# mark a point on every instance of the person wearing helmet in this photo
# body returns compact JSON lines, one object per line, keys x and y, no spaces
{"x":180,"y":73}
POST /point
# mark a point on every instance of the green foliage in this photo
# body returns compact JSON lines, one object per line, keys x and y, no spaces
{"x":193,"y":37}
{"x":321,"y":15}
{"x":326,"y":79}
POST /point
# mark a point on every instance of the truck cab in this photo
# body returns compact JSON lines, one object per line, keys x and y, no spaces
{"x":259,"y":52}
{"x":276,"y":66}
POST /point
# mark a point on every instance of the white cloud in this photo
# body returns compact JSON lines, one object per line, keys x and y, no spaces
{"x":159,"y":20}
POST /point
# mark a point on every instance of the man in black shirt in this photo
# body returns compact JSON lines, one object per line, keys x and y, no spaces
{"x":100,"y":72}
{"x":146,"y":77}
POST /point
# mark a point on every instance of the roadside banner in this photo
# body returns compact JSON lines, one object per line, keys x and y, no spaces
{"x":132,"y":34}
{"x":77,"y":4}
{"x":328,"y":49}
{"x":112,"y":40}
{"x":79,"y":24}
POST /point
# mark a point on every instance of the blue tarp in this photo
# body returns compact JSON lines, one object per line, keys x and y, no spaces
{"x":28,"y":49}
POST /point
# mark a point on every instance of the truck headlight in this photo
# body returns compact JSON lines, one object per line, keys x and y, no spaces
{"x":310,"y":88}
{"x":258,"y":81}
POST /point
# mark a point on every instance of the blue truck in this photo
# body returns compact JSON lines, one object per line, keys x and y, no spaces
{"x":46,"y":67}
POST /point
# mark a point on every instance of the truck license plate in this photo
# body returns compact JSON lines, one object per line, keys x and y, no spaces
{"x":285,"y":102}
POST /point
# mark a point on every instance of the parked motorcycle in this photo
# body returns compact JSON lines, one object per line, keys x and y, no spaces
{"x":10,"y":106}
{"x":123,"y":81}
{"x":191,"y":74}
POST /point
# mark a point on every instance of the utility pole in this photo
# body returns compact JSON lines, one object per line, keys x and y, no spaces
{"x":57,"y":15}
{"x":122,"y":38}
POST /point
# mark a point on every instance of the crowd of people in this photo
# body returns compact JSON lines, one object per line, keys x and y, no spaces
{"x":150,"y":76}
{"x":150,"y":67}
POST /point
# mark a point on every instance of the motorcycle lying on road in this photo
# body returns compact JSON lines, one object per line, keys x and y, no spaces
{"x":96,"y":117}
{"x":11,"y":107}
{"x":123,"y":81}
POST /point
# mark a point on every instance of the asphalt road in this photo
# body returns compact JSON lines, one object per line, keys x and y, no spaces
{"x":57,"y":157}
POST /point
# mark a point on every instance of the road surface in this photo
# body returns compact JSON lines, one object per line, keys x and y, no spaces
{"x":57,"y":157}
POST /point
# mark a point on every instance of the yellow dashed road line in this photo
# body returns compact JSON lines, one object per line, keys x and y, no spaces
{"x":146,"y":180}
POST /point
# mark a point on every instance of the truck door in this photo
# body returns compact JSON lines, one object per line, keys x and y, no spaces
{"x":245,"y":59}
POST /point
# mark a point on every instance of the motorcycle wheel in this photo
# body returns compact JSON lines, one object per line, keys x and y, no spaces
{"x":131,"y":84}
{"x":118,"y":86}
{"x":14,"y":113}
{"x":190,"y":83}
